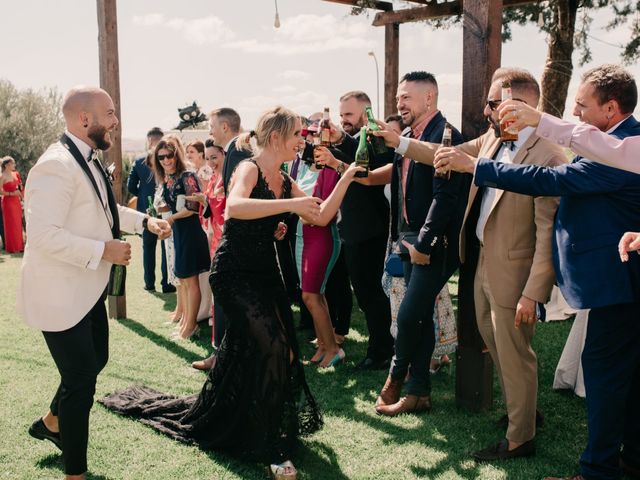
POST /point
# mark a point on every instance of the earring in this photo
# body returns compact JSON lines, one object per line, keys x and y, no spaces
{"x":85,"y":125}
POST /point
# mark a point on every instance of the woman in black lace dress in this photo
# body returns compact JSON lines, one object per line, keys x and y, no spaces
{"x":255,"y":400}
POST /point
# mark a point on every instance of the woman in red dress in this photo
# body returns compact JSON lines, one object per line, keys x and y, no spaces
{"x":11,"y":191}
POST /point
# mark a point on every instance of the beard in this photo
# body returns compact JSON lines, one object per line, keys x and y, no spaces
{"x":100,"y":136}
{"x":350,"y":128}
{"x":496,"y":126}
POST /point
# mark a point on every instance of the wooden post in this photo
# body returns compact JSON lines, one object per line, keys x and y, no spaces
{"x":391,"y":67}
{"x":110,"y":81}
{"x":482,"y":43}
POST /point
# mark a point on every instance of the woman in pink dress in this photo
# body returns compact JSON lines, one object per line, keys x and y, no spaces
{"x":212,"y":207}
{"x":11,"y":191}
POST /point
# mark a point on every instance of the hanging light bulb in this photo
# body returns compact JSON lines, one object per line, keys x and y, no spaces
{"x":276,"y":23}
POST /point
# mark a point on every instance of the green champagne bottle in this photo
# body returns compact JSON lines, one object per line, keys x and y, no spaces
{"x":117,"y":279}
{"x":362,"y":154}
{"x":151,"y":210}
{"x":379,"y":148}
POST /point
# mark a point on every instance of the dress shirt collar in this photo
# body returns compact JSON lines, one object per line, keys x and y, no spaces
{"x":419,"y":129}
{"x":226,"y":147}
{"x":83,"y":147}
{"x":617,"y":124}
{"x":523,"y":136}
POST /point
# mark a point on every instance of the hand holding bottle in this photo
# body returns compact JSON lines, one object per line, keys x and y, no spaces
{"x":519,"y":114}
{"x":322,"y":156}
{"x":391,"y":138}
{"x":117,"y":252}
{"x":453,"y":159}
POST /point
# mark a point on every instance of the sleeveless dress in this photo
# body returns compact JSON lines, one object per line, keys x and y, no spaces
{"x":317,"y":247}
{"x":12,"y":217}
{"x":191,"y":248}
{"x":255,"y":401}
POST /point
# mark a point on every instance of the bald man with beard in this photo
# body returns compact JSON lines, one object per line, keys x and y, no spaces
{"x":73,"y":229}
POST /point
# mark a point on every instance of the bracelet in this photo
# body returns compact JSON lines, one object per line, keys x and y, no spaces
{"x":340,"y":168}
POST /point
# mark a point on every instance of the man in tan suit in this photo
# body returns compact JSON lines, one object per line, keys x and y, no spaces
{"x":510,"y":235}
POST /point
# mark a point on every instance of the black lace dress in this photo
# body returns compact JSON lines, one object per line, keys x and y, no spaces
{"x":255,"y":401}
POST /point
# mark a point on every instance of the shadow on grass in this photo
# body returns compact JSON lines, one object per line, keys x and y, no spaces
{"x":168,"y":299}
{"x":312,"y":459}
{"x":53,"y":461}
{"x":159,"y":340}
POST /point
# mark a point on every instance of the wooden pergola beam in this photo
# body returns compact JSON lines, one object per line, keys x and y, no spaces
{"x":377,"y":5}
{"x":110,"y":81}
{"x":430,"y":12}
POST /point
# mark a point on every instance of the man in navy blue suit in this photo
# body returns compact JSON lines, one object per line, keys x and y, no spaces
{"x":142,"y":183}
{"x":598,"y":205}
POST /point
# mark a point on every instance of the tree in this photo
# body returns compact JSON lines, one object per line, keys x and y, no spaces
{"x":29,"y":122}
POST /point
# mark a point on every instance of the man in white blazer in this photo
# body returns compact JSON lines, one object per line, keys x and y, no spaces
{"x":73,"y":226}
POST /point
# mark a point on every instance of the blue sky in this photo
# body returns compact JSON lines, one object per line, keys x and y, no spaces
{"x":227,"y":53}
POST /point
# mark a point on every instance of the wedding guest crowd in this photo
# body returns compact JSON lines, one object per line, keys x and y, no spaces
{"x":283,"y":214}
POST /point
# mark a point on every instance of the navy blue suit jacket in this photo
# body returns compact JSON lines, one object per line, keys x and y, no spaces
{"x":435,"y":206}
{"x":598,"y":204}
{"x":141,"y":183}
{"x":232,"y":158}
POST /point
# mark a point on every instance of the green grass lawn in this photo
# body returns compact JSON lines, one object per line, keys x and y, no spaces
{"x":354,"y":444}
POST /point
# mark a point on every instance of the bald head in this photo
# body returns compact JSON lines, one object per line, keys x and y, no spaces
{"x":89,"y":114}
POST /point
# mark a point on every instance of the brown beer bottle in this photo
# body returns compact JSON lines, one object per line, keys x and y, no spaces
{"x":325,"y":129}
{"x":507,"y":133}
{"x":446,"y":142}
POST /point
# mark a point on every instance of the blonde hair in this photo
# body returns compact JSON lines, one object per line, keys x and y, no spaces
{"x":279,"y":120}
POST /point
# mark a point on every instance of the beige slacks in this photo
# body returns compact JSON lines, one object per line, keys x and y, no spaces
{"x":511,"y":351}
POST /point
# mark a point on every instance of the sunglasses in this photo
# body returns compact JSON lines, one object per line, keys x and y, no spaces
{"x":169,"y":155}
{"x":493,"y":104}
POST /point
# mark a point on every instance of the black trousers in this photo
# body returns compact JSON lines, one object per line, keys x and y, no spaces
{"x":339,"y":296}
{"x":149,"y":242}
{"x":80,"y":353}
{"x":365,"y":262}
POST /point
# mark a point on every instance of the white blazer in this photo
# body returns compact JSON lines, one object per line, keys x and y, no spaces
{"x":62,"y":275}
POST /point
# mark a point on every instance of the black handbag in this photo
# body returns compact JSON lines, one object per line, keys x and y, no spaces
{"x":393,"y":265}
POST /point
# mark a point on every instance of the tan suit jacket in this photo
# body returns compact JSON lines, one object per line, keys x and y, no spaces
{"x":518,"y":232}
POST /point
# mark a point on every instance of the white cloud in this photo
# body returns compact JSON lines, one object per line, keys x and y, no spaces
{"x":311,"y":33}
{"x":199,"y":31}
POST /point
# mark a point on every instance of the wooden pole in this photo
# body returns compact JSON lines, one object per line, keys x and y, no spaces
{"x":110,"y":81}
{"x":482,"y":44}
{"x":391,"y":67}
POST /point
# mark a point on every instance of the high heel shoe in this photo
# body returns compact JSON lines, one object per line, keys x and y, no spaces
{"x":316,"y":362}
{"x":336,"y":360}
{"x":282,"y":471}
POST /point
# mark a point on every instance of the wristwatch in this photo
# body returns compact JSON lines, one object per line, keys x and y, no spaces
{"x":145,"y":222}
{"x":340,"y":168}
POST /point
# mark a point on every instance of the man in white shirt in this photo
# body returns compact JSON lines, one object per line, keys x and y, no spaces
{"x":73,"y":229}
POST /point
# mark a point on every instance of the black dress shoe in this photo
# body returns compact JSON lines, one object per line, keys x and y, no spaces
{"x":374,"y":364}
{"x":501,"y":451}
{"x":168,"y":289}
{"x":40,"y":431}
{"x":150,"y":288}
{"x":503,"y":421}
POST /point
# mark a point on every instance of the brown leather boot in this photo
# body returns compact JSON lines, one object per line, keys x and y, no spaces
{"x":390,"y":393}
{"x":408,"y":404}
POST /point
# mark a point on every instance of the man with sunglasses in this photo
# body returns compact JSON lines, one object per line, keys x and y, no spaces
{"x":506,"y":242}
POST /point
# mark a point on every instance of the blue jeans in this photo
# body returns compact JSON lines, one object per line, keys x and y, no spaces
{"x":415,"y":340}
{"x":611,"y":364}
{"x":149,"y":241}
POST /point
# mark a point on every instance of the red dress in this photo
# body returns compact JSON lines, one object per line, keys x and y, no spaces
{"x":12,"y":217}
